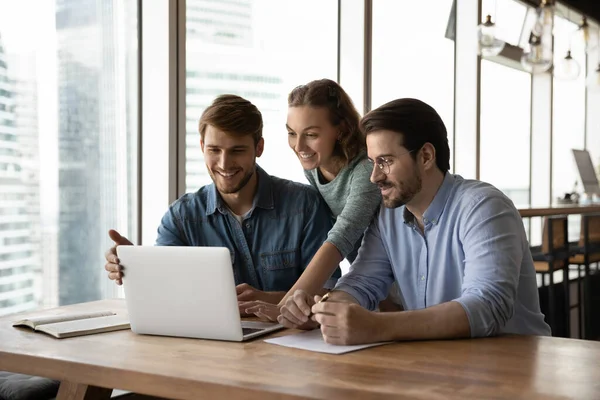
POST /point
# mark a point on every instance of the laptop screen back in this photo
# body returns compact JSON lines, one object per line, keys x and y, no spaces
{"x":181,"y":291}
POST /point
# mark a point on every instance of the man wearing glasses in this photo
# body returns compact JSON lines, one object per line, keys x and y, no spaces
{"x":456,"y":248}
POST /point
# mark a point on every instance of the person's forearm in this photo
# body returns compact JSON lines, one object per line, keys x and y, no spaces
{"x":444,"y":321}
{"x":318,"y":271}
{"x":273,"y":297}
{"x":341,"y":296}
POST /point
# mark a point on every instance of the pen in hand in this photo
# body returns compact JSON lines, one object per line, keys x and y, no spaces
{"x":323,"y":299}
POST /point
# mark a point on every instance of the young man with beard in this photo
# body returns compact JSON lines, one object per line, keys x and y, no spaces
{"x":272,"y":226}
{"x":456,"y":247}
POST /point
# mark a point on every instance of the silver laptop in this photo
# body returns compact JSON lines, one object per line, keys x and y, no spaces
{"x":587,"y":173}
{"x":184,"y":292}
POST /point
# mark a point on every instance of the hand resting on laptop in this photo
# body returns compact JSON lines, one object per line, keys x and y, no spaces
{"x":245,"y":292}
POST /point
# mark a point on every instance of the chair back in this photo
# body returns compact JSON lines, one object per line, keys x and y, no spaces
{"x":555,"y":238}
{"x":589,"y":236}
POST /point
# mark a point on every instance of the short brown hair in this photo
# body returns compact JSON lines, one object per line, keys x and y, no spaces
{"x":327,"y":93}
{"x":233,"y":115}
{"x":416,"y":122}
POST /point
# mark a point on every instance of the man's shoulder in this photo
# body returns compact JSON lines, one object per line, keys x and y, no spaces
{"x":474,"y":197}
{"x":196,"y":201}
{"x":287,"y":187}
{"x":473,"y":191}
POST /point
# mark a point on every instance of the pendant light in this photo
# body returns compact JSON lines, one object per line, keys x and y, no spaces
{"x":584,"y":29}
{"x":539,"y":55}
{"x":535,"y":59}
{"x":489,"y":44}
{"x":545,"y":18}
{"x":568,"y":68}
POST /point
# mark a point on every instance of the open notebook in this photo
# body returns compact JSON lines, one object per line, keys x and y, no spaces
{"x":69,"y":325}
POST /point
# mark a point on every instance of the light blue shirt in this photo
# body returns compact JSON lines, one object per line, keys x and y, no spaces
{"x":473,"y":251}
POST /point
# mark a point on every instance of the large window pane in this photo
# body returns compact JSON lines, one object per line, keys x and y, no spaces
{"x":505,"y":129}
{"x":68,"y":123}
{"x":411,"y":55}
{"x":568,"y":108}
{"x":260,"y":50}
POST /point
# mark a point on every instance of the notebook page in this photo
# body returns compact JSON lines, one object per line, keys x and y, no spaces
{"x":66,"y":317}
{"x":313,"y":341}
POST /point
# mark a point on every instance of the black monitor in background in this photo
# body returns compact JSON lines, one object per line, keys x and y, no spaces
{"x":587,"y":173}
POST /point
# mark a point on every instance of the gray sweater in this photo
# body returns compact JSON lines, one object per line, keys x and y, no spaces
{"x":352,"y":199}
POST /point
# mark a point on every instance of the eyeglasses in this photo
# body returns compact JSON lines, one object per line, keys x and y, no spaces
{"x":384,"y":163}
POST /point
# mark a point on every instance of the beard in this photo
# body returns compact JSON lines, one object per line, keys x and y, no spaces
{"x":239,"y":186}
{"x":407,"y":191}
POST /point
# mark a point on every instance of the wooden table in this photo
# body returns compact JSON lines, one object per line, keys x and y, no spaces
{"x":510,"y":367}
{"x":558,"y":209}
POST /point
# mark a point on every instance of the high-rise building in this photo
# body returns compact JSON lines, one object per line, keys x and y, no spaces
{"x":94,"y":141}
{"x":19,"y":239}
{"x":222,"y":57}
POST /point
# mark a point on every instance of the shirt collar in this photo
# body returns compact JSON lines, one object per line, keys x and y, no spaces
{"x":262,"y":199}
{"x":436,"y":207}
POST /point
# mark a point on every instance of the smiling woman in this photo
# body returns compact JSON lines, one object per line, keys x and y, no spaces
{"x":323,"y":131}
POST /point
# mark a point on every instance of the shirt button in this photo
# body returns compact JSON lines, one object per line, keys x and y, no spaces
{"x":248,"y":225}
{"x":422,"y":277}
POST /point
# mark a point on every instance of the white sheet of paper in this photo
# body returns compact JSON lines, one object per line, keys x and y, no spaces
{"x":313,"y":341}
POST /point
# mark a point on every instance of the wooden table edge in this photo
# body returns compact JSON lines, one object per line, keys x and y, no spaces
{"x":71,"y":373}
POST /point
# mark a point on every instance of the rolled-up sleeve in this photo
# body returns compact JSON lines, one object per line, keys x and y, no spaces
{"x":492,"y":243}
{"x":370,"y":276}
{"x":363,"y":201}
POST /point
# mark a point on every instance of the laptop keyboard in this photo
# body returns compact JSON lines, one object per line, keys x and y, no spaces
{"x":247,"y":331}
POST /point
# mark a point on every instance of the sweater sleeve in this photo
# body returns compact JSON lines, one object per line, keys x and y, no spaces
{"x":364,"y":198}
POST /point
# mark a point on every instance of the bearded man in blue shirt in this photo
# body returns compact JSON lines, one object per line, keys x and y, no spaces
{"x":456,"y":247}
{"x":271,"y":226}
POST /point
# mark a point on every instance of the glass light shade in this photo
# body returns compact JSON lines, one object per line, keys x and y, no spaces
{"x":593,"y":80}
{"x":567,"y":69}
{"x":489,"y":45}
{"x":538,"y":58}
{"x":584,"y":33}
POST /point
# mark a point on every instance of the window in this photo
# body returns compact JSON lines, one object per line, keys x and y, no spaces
{"x":568,"y":118}
{"x":505,"y":129}
{"x":259,"y":50}
{"x":411,"y":55}
{"x":68,"y":128}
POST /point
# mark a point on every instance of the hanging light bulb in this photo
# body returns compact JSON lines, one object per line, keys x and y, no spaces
{"x":545,"y":18}
{"x":584,"y":29}
{"x":567,"y":69}
{"x":593,"y":80}
{"x":536,"y":59}
{"x":489,"y":45}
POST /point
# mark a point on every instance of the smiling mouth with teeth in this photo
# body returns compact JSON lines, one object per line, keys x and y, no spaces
{"x":227,"y":175}
{"x":306,"y":156}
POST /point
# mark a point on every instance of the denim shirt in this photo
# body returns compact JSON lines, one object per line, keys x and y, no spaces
{"x":272,"y":246}
{"x":473,"y":251}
